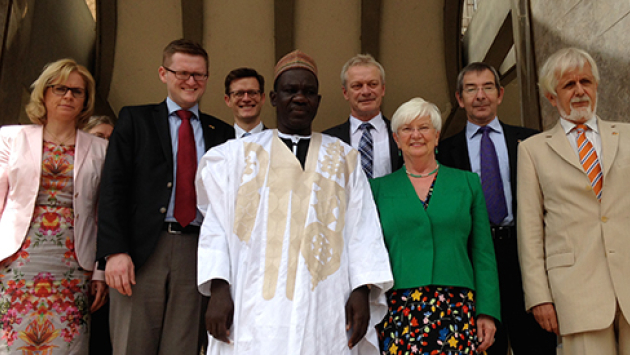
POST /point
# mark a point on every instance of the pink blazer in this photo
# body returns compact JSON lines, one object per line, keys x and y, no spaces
{"x":21,"y":149}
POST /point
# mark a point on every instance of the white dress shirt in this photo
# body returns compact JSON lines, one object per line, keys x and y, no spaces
{"x":382,"y":163}
{"x":592,"y":135}
{"x":239,"y":132}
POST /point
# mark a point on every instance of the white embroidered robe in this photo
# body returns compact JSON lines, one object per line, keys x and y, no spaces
{"x":292,"y":244}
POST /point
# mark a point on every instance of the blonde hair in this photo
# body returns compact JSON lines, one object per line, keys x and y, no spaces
{"x":559,"y":63}
{"x":97,"y":120}
{"x":58,"y":73}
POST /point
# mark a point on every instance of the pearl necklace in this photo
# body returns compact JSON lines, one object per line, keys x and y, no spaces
{"x":420,"y":175}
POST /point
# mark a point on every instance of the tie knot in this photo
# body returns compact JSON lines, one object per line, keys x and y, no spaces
{"x":484,"y":130}
{"x":581,"y":128}
{"x":366,"y":126}
{"x":184,"y":114}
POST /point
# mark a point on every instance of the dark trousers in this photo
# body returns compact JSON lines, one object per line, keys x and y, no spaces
{"x":525,"y":336}
{"x":100,"y":343}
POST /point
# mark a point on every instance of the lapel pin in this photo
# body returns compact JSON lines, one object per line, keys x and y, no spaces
{"x":615,"y":133}
{"x":211,"y":126}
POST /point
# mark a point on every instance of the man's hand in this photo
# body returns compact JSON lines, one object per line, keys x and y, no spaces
{"x":358,"y":314}
{"x":220,"y":313}
{"x":98,"y":291}
{"x":545,"y":314}
{"x":119,"y":273}
{"x":485,"y":332}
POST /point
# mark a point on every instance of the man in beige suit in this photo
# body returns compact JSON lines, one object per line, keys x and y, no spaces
{"x":574,"y":222}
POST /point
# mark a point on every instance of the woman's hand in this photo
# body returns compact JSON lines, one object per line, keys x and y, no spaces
{"x":99,"y":292}
{"x":485,"y":332}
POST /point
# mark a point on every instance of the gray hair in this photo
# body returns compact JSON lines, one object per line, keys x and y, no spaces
{"x":416,"y":108}
{"x":361,"y":59}
{"x":559,"y":63}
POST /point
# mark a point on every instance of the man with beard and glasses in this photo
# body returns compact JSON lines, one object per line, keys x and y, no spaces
{"x":574,"y":214}
{"x":291,"y":251}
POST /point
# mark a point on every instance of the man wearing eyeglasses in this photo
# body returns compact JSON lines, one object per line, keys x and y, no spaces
{"x":245,"y":95}
{"x":488,"y":147}
{"x":148,"y":220}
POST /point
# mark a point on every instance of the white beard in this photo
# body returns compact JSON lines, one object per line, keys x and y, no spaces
{"x":578,"y":115}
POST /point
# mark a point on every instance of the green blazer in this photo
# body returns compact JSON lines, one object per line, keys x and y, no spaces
{"x":448,"y":244}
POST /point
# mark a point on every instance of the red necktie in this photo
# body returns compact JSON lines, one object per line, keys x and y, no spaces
{"x":185,"y":200}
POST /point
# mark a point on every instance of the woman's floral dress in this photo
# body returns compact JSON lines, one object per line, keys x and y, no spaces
{"x":43,"y":290}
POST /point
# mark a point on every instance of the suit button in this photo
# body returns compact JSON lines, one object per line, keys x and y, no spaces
{"x":163,"y":210}
{"x":169,"y":184}
{"x":604,"y":219}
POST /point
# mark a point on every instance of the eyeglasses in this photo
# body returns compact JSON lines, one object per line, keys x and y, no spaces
{"x":241,"y":93}
{"x":184,"y":75}
{"x":488,"y":89}
{"x":61,"y":90}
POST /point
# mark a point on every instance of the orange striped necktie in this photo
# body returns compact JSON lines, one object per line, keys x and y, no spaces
{"x":589,"y":160}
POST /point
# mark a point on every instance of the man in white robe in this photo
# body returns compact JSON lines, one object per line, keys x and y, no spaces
{"x":291,"y":249}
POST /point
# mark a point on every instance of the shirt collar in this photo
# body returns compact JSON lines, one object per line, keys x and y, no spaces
{"x":377,"y":122}
{"x":239,"y":131}
{"x":472,"y":129}
{"x":172,"y":107}
{"x":568,"y":126}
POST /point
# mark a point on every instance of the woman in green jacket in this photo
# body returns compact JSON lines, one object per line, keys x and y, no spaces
{"x":436,"y":229}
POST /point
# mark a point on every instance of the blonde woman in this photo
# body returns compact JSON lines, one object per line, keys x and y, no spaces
{"x":49,"y":179}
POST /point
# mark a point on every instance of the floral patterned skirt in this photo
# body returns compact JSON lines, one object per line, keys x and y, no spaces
{"x":43,"y":290}
{"x":431,"y":320}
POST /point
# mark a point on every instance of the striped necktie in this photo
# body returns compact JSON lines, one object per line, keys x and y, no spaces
{"x":589,"y":160}
{"x":365,"y":148}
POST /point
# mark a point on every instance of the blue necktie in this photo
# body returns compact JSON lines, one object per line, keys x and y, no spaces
{"x":365,"y":148}
{"x":491,"y":182}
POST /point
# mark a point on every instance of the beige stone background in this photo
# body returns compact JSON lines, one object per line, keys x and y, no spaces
{"x":418,"y":43}
{"x":601,"y":28}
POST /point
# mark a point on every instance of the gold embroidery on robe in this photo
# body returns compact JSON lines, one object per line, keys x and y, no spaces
{"x":248,"y":197}
{"x":295,"y":193}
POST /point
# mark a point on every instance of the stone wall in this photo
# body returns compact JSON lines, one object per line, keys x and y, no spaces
{"x":601,"y":28}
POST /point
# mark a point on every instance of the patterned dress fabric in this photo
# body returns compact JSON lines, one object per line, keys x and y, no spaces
{"x":429,"y":320}
{"x":44,"y":307}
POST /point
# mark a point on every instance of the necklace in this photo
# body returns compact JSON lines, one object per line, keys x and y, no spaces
{"x":61,"y":142}
{"x":420,"y":175}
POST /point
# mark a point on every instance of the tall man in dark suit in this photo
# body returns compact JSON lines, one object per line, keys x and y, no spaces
{"x":484,"y":144}
{"x":363,"y":86}
{"x":245,"y":95}
{"x":148,"y":220}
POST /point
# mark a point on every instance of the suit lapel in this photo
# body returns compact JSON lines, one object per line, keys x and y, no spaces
{"x":160,"y":119}
{"x":393,"y":147}
{"x":208,"y":129}
{"x":460,"y":153}
{"x":81,"y":149}
{"x":558,"y":142}
{"x":344,"y":133}
{"x":34,"y":134}
{"x":610,"y":142}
